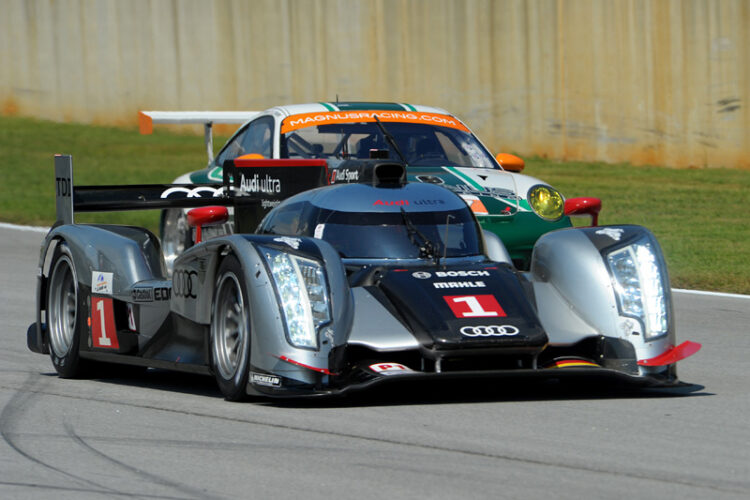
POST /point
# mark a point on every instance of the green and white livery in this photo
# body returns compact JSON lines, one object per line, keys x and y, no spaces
{"x":435,"y":145}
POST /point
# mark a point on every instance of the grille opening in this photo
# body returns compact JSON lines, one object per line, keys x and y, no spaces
{"x":358,"y":356}
{"x":485,"y":362}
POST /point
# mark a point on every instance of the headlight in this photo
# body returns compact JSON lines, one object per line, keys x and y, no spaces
{"x":303,"y":294}
{"x":639,"y":285}
{"x":547,"y":202}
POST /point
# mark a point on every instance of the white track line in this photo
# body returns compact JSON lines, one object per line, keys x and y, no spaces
{"x":38,"y":229}
{"x":33,"y":229}
{"x":713,"y":294}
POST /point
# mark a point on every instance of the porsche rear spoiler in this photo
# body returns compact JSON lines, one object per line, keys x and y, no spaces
{"x":146,"y":120}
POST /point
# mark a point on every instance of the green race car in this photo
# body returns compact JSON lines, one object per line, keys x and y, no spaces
{"x":435,"y":145}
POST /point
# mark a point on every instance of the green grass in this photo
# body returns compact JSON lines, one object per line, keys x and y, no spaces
{"x":700,"y":216}
{"x":101,"y":155}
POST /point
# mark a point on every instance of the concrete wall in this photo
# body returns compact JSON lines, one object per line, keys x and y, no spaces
{"x":645,"y":81}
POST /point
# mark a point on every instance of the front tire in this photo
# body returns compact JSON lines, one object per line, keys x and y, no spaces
{"x":65,"y":314}
{"x":230,"y":331}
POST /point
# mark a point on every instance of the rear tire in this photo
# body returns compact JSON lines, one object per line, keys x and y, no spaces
{"x":65,"y":313}
{"x":230,"y":331}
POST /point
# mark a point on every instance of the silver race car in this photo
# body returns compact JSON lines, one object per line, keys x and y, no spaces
{"x":344,"y":286}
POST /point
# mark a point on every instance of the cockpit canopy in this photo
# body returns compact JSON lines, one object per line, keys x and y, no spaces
{"x":416,"y":221}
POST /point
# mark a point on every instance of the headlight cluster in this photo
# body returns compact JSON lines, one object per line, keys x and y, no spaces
{"x":547,"y":202}
{"x":303,"y":294}
{"x":639,"y":284}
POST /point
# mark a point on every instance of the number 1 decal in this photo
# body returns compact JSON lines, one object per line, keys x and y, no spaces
{"x":474,"y":306}
{"x":103,"y":323}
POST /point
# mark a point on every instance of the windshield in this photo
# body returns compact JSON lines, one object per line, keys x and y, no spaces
{"x":422,"y":144}
{"x":396,"y":235}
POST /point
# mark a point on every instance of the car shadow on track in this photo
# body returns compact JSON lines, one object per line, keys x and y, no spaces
{"x":417,"y":393}
{"x":155,"y":379}
{"x":510,"y":390}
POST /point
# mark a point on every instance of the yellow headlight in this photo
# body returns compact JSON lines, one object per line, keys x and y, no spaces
{"x":547,"y":202}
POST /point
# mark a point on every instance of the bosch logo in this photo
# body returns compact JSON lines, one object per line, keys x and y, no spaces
{"x":183,"y":284}
{"x":489,"y":331}
{"x":422,"y":275}
{"x":461,"y":274}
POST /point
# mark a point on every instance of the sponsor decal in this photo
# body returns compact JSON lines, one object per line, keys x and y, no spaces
{"x":269,"y":203}
{"x":256,"y":184}
{"x":422,"y":275}
{"x":101,"y":283}
{"x":428,"y":202}
{"x":62,"y":187}
{"x":292,"y":242}
{"x":387,"y":203}
{"x":184,"y":284}
{"x":489,"y":331}
{"x":460,"y":274}
{"x":143,"y":294}
{"x":265,"y":380}
{"x":344,"y":175}
{"x":150,"y":294}
{"x":474,"y":306}
{"x":196,"y":192}
{"x":493,"y":192}
{"x":390,"y":369}
{"x":131,"y":319}
{"x":612,"y":232}
{"x":307,"y":119}
{"x":459,"y":284}
{"x":103,"y":331}
{"x":471,"y":195}
{"x":572,"y":363}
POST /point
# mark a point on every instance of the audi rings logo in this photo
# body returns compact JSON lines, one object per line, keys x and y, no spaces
{"x":489,"y":331}
{"x":196,"y":192}
{"x":183,"y":284}
{"x":422,"y":275}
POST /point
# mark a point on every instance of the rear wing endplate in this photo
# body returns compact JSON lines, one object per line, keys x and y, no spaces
{"x":146,"y":120}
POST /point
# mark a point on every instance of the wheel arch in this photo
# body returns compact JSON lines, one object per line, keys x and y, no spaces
{"x":131,"y":254}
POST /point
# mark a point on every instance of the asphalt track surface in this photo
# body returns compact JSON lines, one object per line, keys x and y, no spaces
{"x":164,"y":435}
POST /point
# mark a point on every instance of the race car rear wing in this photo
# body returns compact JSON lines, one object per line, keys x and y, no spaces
{"x":146,"y":120}
{"x":252,"y":187}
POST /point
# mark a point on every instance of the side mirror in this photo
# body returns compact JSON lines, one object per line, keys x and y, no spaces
{"x":584,"y":206}
{"x":510,"y":162}
{"x":206,"y":216}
